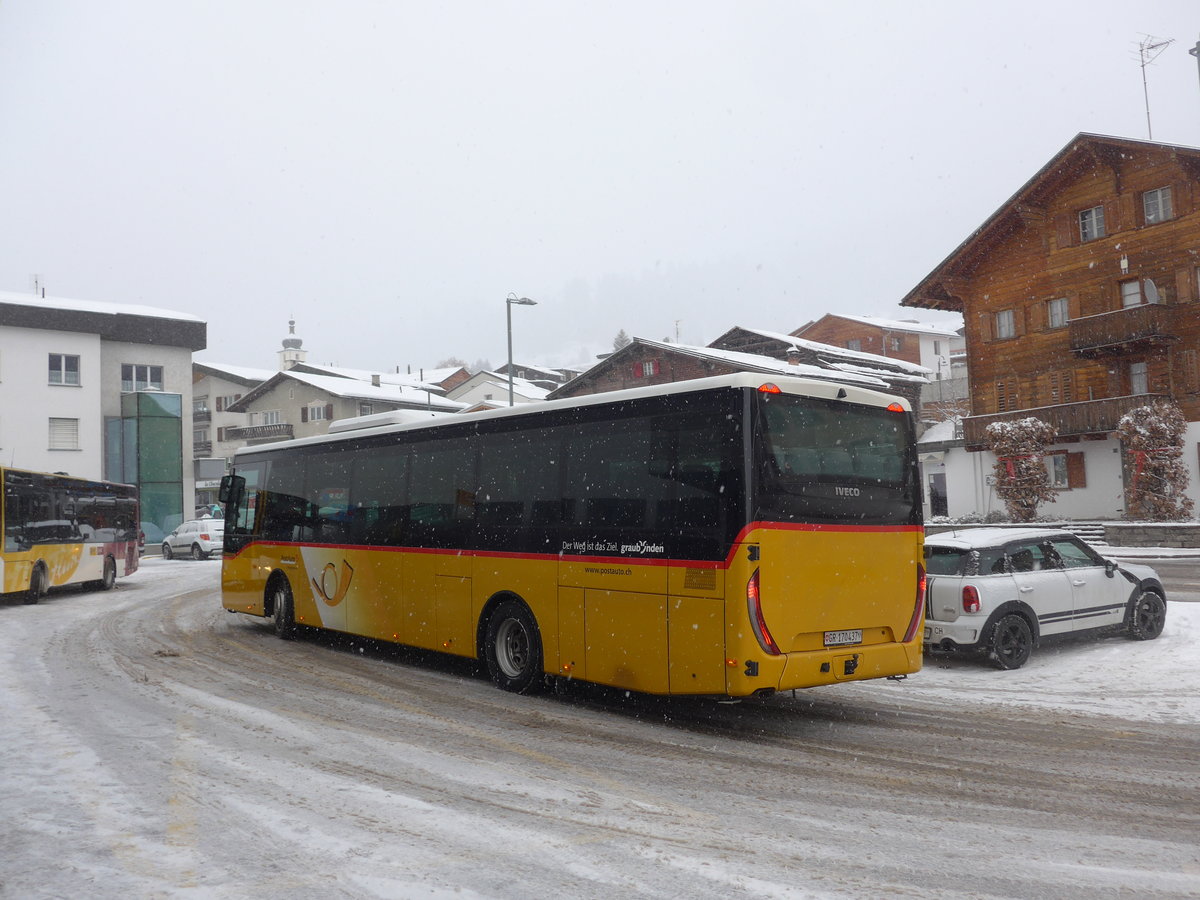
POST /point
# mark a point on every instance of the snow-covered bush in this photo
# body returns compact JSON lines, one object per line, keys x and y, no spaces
{"x":1156,"y":476}
{"x":1022,"y":481}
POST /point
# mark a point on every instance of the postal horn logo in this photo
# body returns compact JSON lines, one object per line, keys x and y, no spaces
{"x":331,"y":587}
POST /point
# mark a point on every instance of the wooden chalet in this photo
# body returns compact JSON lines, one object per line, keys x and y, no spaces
{"x":1079,"y":297}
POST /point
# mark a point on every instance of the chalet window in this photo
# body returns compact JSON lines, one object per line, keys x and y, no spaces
{"x":1139,"y":381}
{"x":1131,"y":293}
{"x":64,"y":369}
{"x":141,"y":378}
{"x":266,"y":417}
{"x":64,"y":434}
{"x":316,"y":412}
{"x":1091,"y":223}
{"x":1156,"y":205}
{"x":1066,"y":470}
{"x":646,"y":369}
{"x":365,"y":409}
{"x":223,"y":403}
{"x":893,"y":344}
{"x":1006,"y":326}
{"x":854,"y":344}
{"x":1057,"y":312}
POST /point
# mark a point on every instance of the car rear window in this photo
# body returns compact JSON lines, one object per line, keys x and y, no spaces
{"x":957,"y":561}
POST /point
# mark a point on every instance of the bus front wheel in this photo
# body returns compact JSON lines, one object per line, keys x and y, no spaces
{"x":513,"y":648}
{"x":38,"y":584}
{"x":282,"y":610}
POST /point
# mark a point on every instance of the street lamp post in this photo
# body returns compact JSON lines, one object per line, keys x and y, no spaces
{"x":509,"y":301}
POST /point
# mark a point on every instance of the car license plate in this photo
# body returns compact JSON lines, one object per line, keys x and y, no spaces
{"x":842,"y":638}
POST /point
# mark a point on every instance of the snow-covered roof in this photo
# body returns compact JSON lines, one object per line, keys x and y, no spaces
{"x":889,"y":374}
{"x":764,"y":363}
{"x":93,"y":306}
{"x":940,"y":432}
{"x":831,"y":350}
{"x":243,"y":373}
{"x":352,"y":388}
{"x":903,"y":325}
{"x":430,"y":382}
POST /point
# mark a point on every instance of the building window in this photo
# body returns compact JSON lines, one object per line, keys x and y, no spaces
{"x":854,"y":344}
{"x":199,"y":405}
{"x":266,"y":417}
{"x":1091,"y":223}
{"x":1006,"y":326}
{"x":141,"y":378}
{"x":64,"y":369}
{"x":200,"y":436}
{"x":893,"y":344}
{"x":1131,"y":293}
{"x":1056,"y":312}
{"x":64,"y":434}
{"x":365,"y":409}
{"x":223,"y":403}
{"x":1058,"y":470}
{"x":1139,"y":381}
{"x":645,"y":369}
{"x":1156,"y":205}
{"x":316,"y":413}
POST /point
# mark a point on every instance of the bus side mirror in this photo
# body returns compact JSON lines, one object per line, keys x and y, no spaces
{"x":231,"y":490}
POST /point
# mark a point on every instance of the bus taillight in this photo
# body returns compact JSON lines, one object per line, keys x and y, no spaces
{"x":757,"y":622}
{"x":915,"y":622}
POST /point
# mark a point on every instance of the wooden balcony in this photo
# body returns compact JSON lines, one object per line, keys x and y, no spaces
{"x":1069,"y":419}
{"x":260,"y":434}
{"x":1128,"y":330}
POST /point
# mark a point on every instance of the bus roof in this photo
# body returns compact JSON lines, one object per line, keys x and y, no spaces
{"x":381,"y":423}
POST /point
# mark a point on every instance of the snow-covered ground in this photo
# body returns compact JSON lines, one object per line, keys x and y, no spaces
{"x":153,"y":746}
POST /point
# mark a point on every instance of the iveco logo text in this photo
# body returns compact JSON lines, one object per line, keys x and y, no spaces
{"x":847,"y":491}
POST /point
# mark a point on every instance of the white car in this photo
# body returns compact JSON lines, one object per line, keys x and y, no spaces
{"x":199,"y":538}
{"x":1002,"y":591}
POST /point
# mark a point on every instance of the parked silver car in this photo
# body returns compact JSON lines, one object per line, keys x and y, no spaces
{"x":1001,"y":591}
{"x":198,"y":537}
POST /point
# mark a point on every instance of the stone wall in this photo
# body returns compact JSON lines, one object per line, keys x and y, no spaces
{"x":1116,"y":534}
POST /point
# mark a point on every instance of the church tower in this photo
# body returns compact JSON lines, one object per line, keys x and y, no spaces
{"x":292,"y":353}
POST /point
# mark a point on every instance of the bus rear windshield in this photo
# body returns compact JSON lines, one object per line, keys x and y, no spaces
{"x":822,"y":461}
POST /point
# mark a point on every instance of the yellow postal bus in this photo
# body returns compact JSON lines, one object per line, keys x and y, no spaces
{"x":60,"y":530}
{"x":723,"y":536}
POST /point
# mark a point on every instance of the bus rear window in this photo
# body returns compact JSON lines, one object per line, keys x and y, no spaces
{"x":822,"y":460}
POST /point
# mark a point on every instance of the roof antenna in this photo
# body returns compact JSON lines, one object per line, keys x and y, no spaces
{"x":1148,"y":51}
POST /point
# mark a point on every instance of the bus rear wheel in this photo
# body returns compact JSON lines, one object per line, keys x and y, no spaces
{"x":108,"y":580}
{"x":282,"y":611}
{"x":512,"y":649}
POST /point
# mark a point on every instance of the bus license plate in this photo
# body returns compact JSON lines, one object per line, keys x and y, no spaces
{"x":842,"y":638}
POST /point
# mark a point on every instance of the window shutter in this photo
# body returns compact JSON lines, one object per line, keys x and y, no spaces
{"x":1112,"y":216}
{"x":1076,"y":474}
{"x":637,"y":370}
{"x":1130,"y":215}
{"x":1181,"y":198}
{"x":220,"y":404}
{"x":985,"y":326}
{"x":304,"y":414}
{"x":1073,"y":311}
{"x":328,"y":411}
{"x":1183,"y":285}
{"x":1191,"y":371}
{"x":1066,"y":230}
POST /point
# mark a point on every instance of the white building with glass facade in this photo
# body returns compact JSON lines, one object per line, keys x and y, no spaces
{"x":101,"y":390}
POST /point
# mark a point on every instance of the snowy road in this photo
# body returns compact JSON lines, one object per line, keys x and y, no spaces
{"x":155,"y":746}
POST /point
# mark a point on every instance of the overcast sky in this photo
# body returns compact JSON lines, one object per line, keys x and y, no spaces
{"x":388,"y":171}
